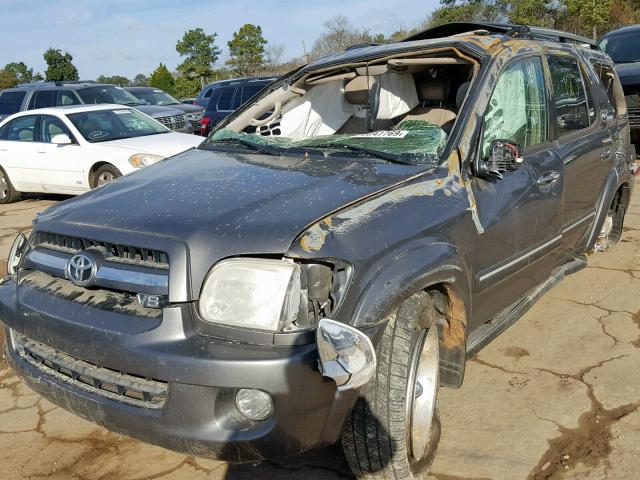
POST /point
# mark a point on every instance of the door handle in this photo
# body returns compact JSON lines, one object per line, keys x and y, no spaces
{"x":41,"y":152}
{"x":4,"y":149}
{"x":548,"y":178}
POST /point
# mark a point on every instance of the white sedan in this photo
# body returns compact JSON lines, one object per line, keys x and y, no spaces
{"x":71,"y":150}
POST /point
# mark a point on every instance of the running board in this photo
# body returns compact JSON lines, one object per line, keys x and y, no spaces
{"x":483,"y":335}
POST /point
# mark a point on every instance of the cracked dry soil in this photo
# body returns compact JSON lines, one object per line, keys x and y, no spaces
{"x":557,"y":396}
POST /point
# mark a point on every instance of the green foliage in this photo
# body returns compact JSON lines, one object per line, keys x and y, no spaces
{"x":7,"y":79}
{"x":140,"y":80}
{"x":186,"y":87}
{"x":20,"y":71}
{"x":59,"y":66}
{"x":161,"y":78}
{"x":201,"y":53}
{"x":247,"y":50}
{"x":115,"y":80}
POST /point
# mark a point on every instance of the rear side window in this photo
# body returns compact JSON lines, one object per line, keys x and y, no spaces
{"x":209,"y":92}
{"x":42,"y":99}
{"x":10,"y":102}
{"x":226,"y":97}
{"x":610,"y":82}
{"x":66,"y":97}
{"x":574,"y":107}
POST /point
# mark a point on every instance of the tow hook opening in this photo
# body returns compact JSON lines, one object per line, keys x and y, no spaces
{"x":345,"y":354}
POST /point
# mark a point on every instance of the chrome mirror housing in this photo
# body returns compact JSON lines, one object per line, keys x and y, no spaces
{"x":346,"y":354}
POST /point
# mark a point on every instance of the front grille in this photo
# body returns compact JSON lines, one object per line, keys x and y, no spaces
{"x":634,"y":117}
{"x":173,"y":122}
{"x":114,"y":252}
{"x":101,"y":298}
{"x":122,"y":387}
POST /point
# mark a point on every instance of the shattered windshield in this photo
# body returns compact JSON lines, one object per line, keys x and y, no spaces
{"x":400,"y":111}
{"x":413,"y":141}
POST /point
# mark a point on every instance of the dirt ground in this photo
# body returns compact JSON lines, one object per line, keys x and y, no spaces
{"x":555,"y":397}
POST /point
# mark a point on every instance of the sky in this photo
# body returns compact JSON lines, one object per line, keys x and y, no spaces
{"x":126,"y":37}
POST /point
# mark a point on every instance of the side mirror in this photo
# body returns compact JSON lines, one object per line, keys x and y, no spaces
{"x":504,"y":156}
{"x":346,"y":354}
{"x":61,"y":139}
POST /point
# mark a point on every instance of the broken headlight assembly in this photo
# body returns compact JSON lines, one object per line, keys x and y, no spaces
{"x":271,"y":295}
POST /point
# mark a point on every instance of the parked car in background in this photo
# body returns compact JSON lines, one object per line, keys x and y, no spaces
{"x":73,"y":149}
{"x":189,"y":101}
{"x":623,"y":46}
{"x":205,"y":94}
{"x":322,"y":279}
{"x":158,"y":97}
{"x":31,"y":96}
{"x":223,"y":98}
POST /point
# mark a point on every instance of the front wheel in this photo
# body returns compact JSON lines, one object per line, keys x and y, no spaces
{"x":8,"y":194}
{"x":394,"y":429}
{"x":105,"y":174}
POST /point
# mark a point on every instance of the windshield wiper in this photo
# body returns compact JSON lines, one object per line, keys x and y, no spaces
{"x":401,"y":158}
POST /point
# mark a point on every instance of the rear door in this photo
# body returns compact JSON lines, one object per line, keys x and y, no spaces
{"x":584,"y":144}
{"x":521,"y":214}
{"x":11,"y":102}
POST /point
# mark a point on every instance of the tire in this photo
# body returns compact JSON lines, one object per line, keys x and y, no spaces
{"x":104,"y":174}
{"x":8,"y":194}
{"x":377,"y":441}
{"x":612,"y":228}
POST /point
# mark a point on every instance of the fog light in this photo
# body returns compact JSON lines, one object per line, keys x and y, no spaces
{"x":256,"y":405}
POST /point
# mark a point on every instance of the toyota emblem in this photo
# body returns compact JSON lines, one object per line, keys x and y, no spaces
{"x":81,"y":269}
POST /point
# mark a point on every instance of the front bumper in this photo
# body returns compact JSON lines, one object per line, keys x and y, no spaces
{"x":201,"y":374}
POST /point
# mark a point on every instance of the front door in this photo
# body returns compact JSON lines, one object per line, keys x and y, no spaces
{"x":521,"y":213}
{"x":18,"y":153}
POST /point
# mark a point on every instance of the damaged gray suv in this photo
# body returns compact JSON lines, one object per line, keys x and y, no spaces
{"x":334,"y":252}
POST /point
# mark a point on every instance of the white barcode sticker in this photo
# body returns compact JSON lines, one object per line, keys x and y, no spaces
{"x":383,"y":134}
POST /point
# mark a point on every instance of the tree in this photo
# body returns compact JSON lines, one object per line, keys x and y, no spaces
{"x":592,"y":15}
{"x":186,"y":87}
{"x":59,"y":66}
{"x":274,"y":54}
{"x":20,"y":70}
{"x":201,"y":53}
{"x":340,"y":34}
{"x":247,"y":50}
{"x":161,"y":78}
{"x":140,"y":80}
{"x":7,"y":79}
{"x":114,"y":80}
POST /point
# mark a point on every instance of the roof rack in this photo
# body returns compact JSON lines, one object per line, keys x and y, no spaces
{"x":54,"y":84}
{"x":509,"y":29}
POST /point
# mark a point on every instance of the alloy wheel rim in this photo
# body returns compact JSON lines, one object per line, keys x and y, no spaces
{"x":422,"y":392}
{"x":105,"y":177}
{"x":4,"y":187}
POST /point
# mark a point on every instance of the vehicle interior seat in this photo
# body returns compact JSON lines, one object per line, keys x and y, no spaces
{"x":433,"y":108}
{"x":356,"y":92}
{"x":25,"y":135}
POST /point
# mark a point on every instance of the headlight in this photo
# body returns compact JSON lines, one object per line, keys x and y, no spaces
{"x":252,"y":293}
{"x":140,"y":160}
{"x":15,"y":254}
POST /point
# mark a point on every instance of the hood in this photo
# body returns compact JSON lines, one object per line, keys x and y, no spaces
{"x":156,"y":111}
{"x":629,"y":73}
{"x":221,"y":205}
{"x":165,"y":144}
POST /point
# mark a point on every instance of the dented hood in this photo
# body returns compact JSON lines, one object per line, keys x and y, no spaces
{"x":225,"y":204}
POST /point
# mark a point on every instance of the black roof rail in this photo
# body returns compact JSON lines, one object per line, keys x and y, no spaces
{"x":361,"y":45}
{"x":509,"y":29}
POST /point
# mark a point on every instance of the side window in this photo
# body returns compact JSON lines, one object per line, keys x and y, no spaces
{"x":209,"y":92}
{"x":517,"y":109}
{"x":43,"y":99}
{"x":249,"y":91}
{"x":610,"y":82}
{"x":66,"y":97}
{"x":10,"y":102}
{"x":50,"y":127}
{"x":226,"y":96}
{"x":574,"y":106}
{"x":22,"y":129}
